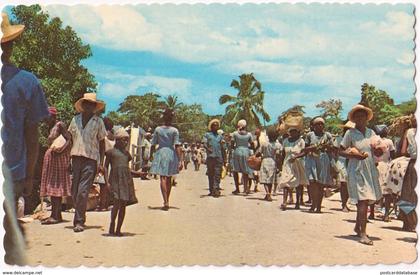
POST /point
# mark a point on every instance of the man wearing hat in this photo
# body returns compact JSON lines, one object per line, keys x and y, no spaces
{"x":88,"y":133}
{"x":212,"y":142}
{"x":24,"y":106}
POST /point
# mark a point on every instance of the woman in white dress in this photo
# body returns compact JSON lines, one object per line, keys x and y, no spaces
{"x":293,"y":172}
{"x":363,"y":182}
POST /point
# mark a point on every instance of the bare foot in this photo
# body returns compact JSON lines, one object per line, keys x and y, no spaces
{"x":365,"y":240}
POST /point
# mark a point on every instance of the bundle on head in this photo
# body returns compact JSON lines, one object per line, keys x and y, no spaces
{"x":400,"y":124}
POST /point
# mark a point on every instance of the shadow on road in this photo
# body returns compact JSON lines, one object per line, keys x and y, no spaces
{"x":160,"y":207}
{"x":124,"y":234}
{"x":87,"y":227}
{"x":356,"y":238}
{"x":408,"y":239}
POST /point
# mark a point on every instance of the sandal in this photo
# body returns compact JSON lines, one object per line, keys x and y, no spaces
{"x":366,"y":241}
{"x":78,"y":228}
{"x":283,"y":207}
{"x":49,"y":220}
{"x":236,"y":192}
{"x":165,"y":208}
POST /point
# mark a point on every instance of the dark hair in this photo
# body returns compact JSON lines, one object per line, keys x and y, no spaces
{"x":108,"y":123}
{"x":272,"y":133}
{"x":168,"y":115}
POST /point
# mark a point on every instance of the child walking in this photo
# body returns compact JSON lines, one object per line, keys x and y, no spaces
{"x":120,"y":180}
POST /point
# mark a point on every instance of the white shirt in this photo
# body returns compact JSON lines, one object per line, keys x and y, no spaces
{"x":86,"y":140}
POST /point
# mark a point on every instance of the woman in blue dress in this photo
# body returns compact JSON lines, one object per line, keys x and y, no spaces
{"x":363,"y":178}
{"x":241,"y":141}
{"x":317,"y":162}
{"x":167,"y":161}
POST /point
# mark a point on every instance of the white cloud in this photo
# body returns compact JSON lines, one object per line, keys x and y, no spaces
{"x":117,"y":27}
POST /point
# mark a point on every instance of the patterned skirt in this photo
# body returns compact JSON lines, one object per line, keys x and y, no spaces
{"x":55,"y":179}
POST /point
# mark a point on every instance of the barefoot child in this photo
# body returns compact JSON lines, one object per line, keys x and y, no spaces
{"x":120,"y":180}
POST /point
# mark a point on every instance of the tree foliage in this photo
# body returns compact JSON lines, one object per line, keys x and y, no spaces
{"x":248,"y":103}
{"x":330,"y":108}
{"x":381,"y":103}
{"x":54,"y":54}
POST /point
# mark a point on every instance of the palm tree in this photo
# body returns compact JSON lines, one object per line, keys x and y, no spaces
{"x":172,"y":102}
{"x":247,"y":104}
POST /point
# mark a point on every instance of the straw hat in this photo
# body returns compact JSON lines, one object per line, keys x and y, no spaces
{"x":91,"y":97}
{"x":212,"y":122}
{"x":10,"y":32}
{"x":360,"y":107}
{"x":121,"y":133}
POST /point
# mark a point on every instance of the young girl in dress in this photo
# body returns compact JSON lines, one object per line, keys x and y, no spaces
{"x":293,"y":171}
{"x":120,"y":180}
{"x":270,"y":153}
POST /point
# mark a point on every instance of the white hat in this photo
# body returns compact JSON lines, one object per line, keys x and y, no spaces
{"x":121,"y":133}
{"x":220,"y":132}
{"x":318,"y":120}
{"x":242,"y":123}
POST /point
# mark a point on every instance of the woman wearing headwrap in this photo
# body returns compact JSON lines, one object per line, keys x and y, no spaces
{"x":55,"y":179}
{"x":317,"y":162}
{"x":241,"y":141}
{"x":363,"y":183}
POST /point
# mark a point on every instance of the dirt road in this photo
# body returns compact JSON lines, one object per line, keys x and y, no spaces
{"x":203,"y":230}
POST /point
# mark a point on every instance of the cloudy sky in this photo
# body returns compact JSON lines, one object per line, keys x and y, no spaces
{"x":301,"y":53}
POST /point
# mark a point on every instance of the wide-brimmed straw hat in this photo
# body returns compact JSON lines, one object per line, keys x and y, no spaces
{"x":91,"y":97}
{"x":212,"y":122}
{"x":360,"y":107}
{"x":9,"y":31}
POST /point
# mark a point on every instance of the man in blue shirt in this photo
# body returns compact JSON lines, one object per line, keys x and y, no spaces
{"x":24,"y":106}
{"x":212,"y":142}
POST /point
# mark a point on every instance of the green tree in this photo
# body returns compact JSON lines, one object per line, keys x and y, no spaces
{"x":142,"y":110}
{"x":248,"y":103}
{"x":330,"y":111}
{"x":381,"y":103}
{"x":408,"y":107}
{"x":54,"y":54}
{"x":119,"y":118}
{"x":172,"y":102}
{"x":191,"y":122}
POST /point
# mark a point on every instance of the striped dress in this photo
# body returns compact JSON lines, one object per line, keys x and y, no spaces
{"x":55,"y":179}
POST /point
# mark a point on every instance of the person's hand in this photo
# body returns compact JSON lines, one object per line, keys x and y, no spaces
{"x":361,"y":156}
{"x":292,"y":159}
{"x":180,"y":166}
{"x":58,"y":150}
{"x":101,"y":169}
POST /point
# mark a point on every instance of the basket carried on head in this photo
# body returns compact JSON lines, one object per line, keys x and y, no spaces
{"x":291,"y":119}
{"x":400,"y":124}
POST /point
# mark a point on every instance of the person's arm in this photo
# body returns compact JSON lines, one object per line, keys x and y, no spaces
{"x":101,"y":152}
{"x":31,"y":133}
{"x":404,"y":145}
{"x":106,"y":169}
{"x":67,"y":136}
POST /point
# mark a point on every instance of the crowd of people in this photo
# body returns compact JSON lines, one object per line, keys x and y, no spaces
{"x":364,"y":165}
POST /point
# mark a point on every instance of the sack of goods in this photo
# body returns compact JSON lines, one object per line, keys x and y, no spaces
{"x":291,"y":119}
{"x":254,"y":162}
